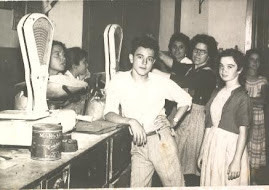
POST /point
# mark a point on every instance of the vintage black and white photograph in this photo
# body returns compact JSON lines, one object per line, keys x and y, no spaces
{"x":134,"y":94}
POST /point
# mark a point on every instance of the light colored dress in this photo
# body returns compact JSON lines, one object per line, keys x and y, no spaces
{"x":220,"y":148}
{"x":257,"y":143}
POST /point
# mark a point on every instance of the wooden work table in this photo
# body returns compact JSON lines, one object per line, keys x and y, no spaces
{"x":99,"y":162}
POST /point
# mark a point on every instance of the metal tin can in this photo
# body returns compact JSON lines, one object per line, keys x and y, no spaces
{"x":70,"y":145}
{"x":46,"y":141}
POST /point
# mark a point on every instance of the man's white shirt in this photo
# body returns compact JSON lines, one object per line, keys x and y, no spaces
{"x":143,"y":101}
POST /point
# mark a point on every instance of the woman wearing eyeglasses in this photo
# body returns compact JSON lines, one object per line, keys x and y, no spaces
{"x":199,"y":81}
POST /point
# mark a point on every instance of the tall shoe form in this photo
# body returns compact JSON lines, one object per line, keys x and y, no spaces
{"x":112,"y":42}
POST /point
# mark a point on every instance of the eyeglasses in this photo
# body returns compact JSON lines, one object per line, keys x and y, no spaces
{"x":200,"y":51}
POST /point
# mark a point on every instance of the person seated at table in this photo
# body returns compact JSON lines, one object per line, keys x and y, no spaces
{"x":76,"y":63}
{"x":66,"y":90}
{"x":56,"y":67}
{"x":57,"y":63}
{"x":59,"y":86}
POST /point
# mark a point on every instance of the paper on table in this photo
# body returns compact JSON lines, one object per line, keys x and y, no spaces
{"x":4,"y":164}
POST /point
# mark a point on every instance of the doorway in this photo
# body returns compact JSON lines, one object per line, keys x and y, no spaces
{"x":136,"y":17}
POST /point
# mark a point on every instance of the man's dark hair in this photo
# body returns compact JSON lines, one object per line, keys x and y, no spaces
{"x":145,"y":42}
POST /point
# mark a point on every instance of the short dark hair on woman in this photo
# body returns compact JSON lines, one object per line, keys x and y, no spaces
{"x":74,"y":55}
{"x":258,"y":52}
{"x":209,"y":41}
{"x":179,"y":37}
{"x":238,"y":58}
{"x":146,"y":41}
{"x":55,"y":42}
{"x":253,"y":51}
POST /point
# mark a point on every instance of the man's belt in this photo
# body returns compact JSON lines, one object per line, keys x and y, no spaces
{"x":156,"y":131}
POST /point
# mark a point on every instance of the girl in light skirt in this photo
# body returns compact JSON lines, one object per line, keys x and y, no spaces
{"x":223,"y":158}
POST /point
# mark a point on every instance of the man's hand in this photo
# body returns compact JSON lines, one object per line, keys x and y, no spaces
{"x":139,"y":134}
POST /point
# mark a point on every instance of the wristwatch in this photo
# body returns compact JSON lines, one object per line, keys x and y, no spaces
{"x":175,"y":120}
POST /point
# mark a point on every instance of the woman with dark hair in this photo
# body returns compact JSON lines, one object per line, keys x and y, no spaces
{"x":57,"y":58}
{"x":67,"y":91}
{"x":199,"y":81}
{"x":77,"y":65}
{"x":178,"y":55}
{"x":178,"y":50}
{"x":179,"y":47}
{"x":56,"y":67}
{"x":223,"y":158}
{"x":256,"y":86}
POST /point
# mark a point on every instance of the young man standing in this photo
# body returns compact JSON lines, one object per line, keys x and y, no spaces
{"x":141,"y":96}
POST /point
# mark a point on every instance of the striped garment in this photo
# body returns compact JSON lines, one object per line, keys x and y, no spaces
{"x":257,"y":142}
{"x":189,"y":139}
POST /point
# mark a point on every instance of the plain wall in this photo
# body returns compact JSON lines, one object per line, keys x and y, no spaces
{"x":67,"y":17}
{"x":223,"y":19}
{"x":214,"y":20}
{"x":8,"y":36}
{"x":167,"y":17}
{"x":215,"y":17}
{"x":69,"y":29}
{"x":227,"y":22}
{"x":192,"y":22}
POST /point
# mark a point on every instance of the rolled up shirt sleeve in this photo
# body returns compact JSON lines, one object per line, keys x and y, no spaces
{"x":178,"y":95}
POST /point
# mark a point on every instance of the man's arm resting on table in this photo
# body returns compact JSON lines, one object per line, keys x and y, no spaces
{"x":139,"y":135}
